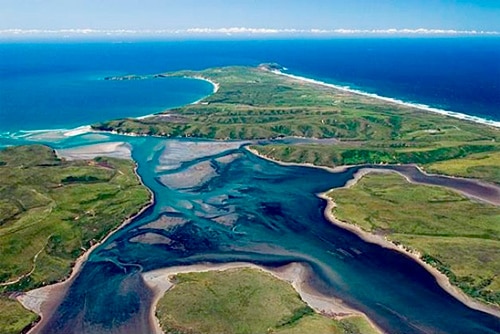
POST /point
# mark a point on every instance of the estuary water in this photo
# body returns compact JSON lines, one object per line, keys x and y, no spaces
{"x":216,"y":202}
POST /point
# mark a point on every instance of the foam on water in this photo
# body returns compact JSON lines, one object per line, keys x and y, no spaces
{"x":420,"y":106}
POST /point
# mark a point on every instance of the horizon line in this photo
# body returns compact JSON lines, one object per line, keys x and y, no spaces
{"x":241,"y":31}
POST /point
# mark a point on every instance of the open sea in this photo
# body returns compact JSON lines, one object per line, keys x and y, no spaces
{"x":48,"y":85}
{"x":243,"y":208}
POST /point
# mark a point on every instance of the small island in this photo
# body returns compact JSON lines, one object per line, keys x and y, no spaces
{"x":246,"y":300}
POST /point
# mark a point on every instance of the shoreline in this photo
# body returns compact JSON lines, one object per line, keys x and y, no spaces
{"x":159,"y":281}
{"x":114,"y":149}
{"x":215,"y":89}
{"x":215,"y":85}
{"x":44,"y":300}
{"x":441,"y":278}
{"x":454,"y":114}
{"x":343,"y":168}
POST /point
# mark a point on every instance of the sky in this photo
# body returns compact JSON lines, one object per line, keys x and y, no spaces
{"x":264,"y":16}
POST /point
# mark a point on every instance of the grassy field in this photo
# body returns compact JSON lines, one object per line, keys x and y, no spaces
{"x":244,"y":301}
{"x":13,"y":317}
{"x":483,"y":166}
{"x":51,"y":211}
{"x":255,"y":103}
{"x":459,"y":237}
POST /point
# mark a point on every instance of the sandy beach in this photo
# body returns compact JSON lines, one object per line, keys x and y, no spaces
{"x":215,"y":84}
{"x":120,"y":150}
{"x":454,"y":114}
{"x":294,"y":273}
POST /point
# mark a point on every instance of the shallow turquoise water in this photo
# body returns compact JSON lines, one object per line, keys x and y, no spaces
{"x":55,"y":101}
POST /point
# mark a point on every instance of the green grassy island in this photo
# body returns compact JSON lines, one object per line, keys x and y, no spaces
{"x":255,"y":103}
{"x":457,"y":236}
{"x":244,"y":301}
{"x":51,"y":212}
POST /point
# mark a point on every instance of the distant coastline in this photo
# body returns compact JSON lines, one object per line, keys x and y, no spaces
{"x":424,"y":107}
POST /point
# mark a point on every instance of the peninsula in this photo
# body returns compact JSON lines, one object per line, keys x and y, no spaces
{"x":68,"y":206}
{"x":257,"y":103}
{"x":261,"y":104}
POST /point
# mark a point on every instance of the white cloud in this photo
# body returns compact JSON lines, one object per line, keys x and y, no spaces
{"x":238,"y":31}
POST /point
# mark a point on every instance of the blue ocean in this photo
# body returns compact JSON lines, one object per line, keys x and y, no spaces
{"x":59,"y":85}
{"x":245,"y":208}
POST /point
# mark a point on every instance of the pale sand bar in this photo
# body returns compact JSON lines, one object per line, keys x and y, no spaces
{"x":119,"y":150}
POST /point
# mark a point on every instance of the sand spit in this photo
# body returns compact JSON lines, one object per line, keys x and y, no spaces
{"x":120,"y":150}
{"x":294,"y":273}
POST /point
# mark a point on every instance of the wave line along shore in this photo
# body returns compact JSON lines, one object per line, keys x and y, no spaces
{"x":454,"y":114}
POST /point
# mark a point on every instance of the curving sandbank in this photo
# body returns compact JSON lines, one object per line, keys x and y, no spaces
{"x":213,"y":83}
{"x":120,"y":150}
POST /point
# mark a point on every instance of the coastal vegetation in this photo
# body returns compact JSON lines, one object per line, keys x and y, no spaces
{"x":244,"y":301}
{"x":51,"y":211}
{"x":457,"y":236}
{"x":14,"y":318}
{"x":255,"y":103}
{"x":483,"y":166}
